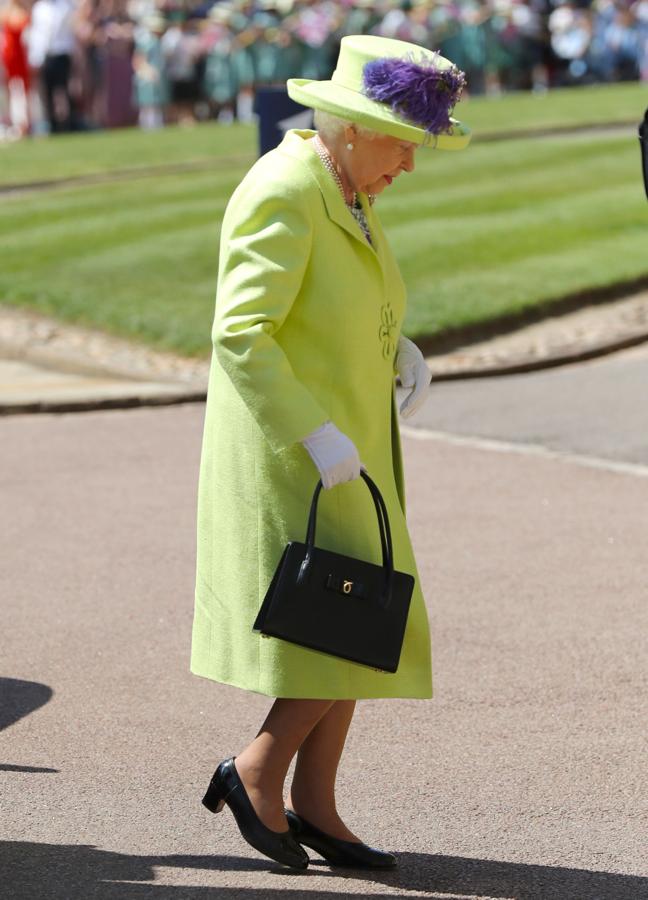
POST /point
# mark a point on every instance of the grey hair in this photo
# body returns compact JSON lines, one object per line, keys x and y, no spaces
{"x":331,"y":126}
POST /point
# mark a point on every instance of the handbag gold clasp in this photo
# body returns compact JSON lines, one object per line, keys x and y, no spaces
{"x":346,"y":587}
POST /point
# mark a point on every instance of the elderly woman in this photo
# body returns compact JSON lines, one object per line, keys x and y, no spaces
{"x":307,"y":345}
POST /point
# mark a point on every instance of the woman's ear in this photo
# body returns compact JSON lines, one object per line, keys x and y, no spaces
{"x":350,"y":133}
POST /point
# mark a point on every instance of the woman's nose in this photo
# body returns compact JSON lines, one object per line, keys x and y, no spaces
{"x":408,"y":162}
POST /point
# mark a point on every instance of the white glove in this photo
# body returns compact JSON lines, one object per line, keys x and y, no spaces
{"x":414,"y":373}
{"x":334,"y":454}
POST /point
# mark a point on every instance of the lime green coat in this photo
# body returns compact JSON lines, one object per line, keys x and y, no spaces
{"x":306,"y":323}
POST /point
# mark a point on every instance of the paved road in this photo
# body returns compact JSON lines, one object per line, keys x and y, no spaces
{"x":524,"y":778}
{"x":597,"y":408}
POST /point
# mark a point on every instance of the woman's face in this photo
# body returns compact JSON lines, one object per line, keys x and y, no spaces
{"x":374,"y":162}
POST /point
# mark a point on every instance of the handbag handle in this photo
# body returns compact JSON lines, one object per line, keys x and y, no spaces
{"x":383,"y":526}
{"x":385,"y":538}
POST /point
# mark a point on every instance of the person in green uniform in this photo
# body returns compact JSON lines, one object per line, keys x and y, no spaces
{"x":307,"y":344}
{"x":219,"y":81}
{"x":244,"y":36}
{"x":150,"y":84}
{"x":266,"y":50}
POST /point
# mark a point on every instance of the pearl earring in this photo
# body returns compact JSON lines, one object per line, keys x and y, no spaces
{"x":349,"y":146}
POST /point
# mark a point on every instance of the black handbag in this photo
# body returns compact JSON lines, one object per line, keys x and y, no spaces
{"x":338,"y":604}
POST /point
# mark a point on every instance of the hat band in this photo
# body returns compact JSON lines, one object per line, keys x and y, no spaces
{"x":350,"y":84}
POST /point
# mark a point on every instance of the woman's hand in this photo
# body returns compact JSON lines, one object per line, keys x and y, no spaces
{"x":414,"y":373}
{"x":334,"y":454}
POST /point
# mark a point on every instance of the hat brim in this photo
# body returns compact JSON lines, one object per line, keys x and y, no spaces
{"x":355,"y":107}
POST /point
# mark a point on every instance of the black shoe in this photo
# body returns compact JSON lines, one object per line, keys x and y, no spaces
{"x":337,"y":852}
{"x":227,"y":787}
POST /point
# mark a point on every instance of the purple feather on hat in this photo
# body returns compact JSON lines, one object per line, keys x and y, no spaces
{"x":419,"y":91}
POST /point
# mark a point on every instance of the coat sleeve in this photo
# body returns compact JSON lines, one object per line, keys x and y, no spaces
{"x":265,"y":246}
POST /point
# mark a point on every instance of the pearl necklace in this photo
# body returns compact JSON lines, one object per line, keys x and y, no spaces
{"x":325,"y":156}
{"x":355,"y":207}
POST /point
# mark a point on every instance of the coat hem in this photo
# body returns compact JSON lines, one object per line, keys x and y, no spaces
{"x":414,"y":695}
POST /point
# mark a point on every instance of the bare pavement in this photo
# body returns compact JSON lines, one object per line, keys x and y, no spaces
{"x":523,"y":779}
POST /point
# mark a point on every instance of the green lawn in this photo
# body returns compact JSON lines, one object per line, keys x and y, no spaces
{"x":516,"y":224}
{"x":83,"y":154}
{"x":564,"y":108}
{"x":494,"y":230}
{"x":98,"y":152}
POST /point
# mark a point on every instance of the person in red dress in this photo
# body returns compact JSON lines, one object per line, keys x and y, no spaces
{"x":14,"y":18}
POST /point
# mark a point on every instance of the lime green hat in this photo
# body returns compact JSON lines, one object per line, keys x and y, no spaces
{"x":392,"y":87}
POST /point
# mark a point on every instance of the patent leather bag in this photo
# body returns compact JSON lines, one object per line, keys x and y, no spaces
{"x":337,"y":604}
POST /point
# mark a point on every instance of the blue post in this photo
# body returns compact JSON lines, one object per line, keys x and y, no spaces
{"x":277,"y":113}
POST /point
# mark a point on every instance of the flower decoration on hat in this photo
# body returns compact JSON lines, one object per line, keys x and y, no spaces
{"x":422,"y":91}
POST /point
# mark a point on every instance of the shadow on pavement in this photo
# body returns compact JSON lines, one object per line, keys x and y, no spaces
{"x":77,"y":872}
{"x":20,"y":698}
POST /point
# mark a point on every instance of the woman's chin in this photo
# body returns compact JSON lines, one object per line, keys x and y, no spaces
{"x":377,"y":187}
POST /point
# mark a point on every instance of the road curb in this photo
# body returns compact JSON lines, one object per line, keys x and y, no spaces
{"x":50,"y":367}
{"x":549,"y":362}
{"x":93,"y":404}
{"x":175,"y":395}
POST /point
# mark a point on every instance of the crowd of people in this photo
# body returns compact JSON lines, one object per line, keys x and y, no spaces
{"x":83,"y":64}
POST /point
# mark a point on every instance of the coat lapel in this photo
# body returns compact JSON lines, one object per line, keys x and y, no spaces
{"x":295,"y":144}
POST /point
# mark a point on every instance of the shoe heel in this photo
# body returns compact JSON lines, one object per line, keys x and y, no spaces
{"x":217,"y":791}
